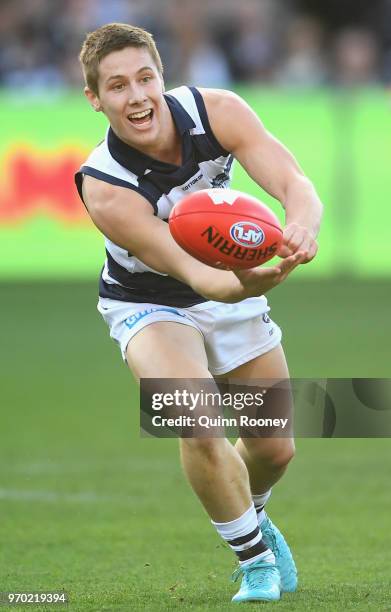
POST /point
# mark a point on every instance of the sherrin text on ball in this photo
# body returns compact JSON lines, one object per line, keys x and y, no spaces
{"x":225,"y":228}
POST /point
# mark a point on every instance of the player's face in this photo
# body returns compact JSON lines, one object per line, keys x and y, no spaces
{"x":131,"y":95}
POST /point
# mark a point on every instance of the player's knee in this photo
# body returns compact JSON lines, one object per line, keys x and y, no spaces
{"x":283,"y":456}
{"x":275,"y":455}
{"x":210,"y":449}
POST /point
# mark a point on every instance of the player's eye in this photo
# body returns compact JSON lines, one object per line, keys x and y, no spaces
{"x":146,"y":79}
{"x":118,"y":86}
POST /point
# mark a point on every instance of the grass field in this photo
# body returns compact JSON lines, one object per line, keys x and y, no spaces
{"x":89,"y":507}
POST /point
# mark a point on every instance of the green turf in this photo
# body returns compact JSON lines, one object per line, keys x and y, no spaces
{"x":88,"y":506}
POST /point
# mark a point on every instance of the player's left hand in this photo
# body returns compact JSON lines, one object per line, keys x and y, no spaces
{"x":296,"y":238}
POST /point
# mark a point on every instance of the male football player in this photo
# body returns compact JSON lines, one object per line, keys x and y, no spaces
{"x":172,"y":316}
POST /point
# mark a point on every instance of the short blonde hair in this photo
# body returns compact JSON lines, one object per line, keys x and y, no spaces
{"x":113,"y":37}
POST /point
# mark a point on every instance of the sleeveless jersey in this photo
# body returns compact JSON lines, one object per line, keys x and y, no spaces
{"x":205,"y":165}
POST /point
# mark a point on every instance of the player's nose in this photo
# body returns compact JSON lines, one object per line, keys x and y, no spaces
{"x":136,"y":95}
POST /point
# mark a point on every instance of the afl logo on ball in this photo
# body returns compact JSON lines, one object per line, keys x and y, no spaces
{"x":247,"y":234}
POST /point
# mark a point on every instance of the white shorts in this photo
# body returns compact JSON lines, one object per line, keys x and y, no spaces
{"x":233,"y":333}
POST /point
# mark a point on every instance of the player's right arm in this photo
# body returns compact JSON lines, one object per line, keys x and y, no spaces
{"x":127,"y":219}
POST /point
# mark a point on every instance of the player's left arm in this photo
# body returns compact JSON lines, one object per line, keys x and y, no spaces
{"x":239,"y":130}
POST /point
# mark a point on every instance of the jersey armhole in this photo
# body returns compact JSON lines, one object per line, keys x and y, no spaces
{"x":199,"y":100}
{"x":113,"y":180}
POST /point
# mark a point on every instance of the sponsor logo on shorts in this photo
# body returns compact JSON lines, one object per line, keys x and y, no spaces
{"x":266,"y":318}
{"x":247,"y":234}
{"x":132,"y":320}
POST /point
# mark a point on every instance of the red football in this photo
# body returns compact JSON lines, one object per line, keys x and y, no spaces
{"x":225,"y":228}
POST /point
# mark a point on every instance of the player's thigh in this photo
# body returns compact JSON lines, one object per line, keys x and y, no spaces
{"x":270,"y":365}
{"x":269,"y":368}
{"x":171,"y":351}
{"x":167,"y":349}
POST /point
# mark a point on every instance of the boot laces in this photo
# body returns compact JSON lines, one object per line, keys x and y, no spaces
{"x":254,"y":574}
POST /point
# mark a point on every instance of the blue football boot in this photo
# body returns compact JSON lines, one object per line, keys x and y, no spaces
{"x":260,"y":582}
{"x":285,"y":564}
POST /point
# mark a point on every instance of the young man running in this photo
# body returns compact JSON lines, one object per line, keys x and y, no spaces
{"x":173,"y":316}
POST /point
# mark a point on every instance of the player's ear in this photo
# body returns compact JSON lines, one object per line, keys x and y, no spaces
{"x":93,"y":99}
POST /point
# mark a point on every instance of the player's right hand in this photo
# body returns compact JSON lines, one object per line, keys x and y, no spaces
{"x":297,"y":238}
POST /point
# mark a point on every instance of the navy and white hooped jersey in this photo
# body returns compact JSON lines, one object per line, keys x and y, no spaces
{"x":205,"y":164}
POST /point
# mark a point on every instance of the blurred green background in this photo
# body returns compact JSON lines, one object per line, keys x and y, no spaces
{"x":341,"y":139}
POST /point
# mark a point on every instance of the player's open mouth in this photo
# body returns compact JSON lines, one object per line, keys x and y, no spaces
{"x":141,"y":118}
